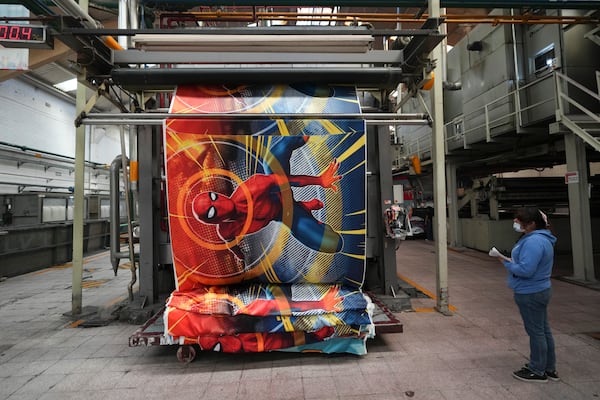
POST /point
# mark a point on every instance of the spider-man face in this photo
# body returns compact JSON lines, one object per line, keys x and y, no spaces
{"x":211,"y":207}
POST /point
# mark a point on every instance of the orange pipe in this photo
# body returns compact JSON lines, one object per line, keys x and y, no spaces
{"x":112,"y":43}
{"x":133,"y":171}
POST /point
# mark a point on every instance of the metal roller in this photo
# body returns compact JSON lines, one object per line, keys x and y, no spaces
{"x":171,"y":77}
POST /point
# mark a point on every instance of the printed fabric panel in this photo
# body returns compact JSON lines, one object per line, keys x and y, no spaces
{"x":267,"y":218}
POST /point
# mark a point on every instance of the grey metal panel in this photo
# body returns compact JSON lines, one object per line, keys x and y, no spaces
{"x":536,"y":39}
{"x":487,"y":76}
{"x":456,"y":141}
{"x":381,"y":274}
{"x":499,"y":113}
{"x":536,"y":96}
{"x":373,"y":196}
{"x":491,"y":66}
{"x":581,"y":60}
{"x":26,"y":209}
{"x":25,"y":249}
{"x":372,"y":250}
{"x":576,"y":57}
{"x":453,"y":99}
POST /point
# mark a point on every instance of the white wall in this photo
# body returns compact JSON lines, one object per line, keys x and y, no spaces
{"x":37,"y":120}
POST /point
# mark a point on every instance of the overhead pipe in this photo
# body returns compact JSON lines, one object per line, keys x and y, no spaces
{"x":55,"y":156}
{"x":517,"y":77}
{"x":343,"y":17}
{"x":122,"y":22}
{"x":569,"y":4}
{"x":134,"y":22}
{"x":157,"y":118}
{"x":71,"y":8}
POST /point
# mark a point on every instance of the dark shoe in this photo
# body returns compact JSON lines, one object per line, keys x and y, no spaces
{"x":524,"y":374}
{"x":553,"y":376}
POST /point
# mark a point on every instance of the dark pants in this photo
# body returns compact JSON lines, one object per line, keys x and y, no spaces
{"x":534,"y":311}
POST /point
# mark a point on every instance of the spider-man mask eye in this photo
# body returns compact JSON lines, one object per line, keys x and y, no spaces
{"x":210,"y":207}
{"x":212,"y":211}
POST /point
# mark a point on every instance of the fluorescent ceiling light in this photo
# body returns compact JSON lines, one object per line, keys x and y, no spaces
{"x":315,"y":20}
{"x":67,"y":86}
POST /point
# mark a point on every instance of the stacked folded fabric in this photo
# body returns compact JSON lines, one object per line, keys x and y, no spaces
{"x":263,"y":317}
{"x":267,"y":221}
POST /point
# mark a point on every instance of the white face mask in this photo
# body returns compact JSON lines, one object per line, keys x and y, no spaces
{"x":517,"y":227}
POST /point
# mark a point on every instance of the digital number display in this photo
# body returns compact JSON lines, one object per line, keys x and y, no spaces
{"x":11,"y":33}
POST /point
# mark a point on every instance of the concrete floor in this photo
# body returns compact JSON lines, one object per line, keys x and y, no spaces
{"x":468,"y":355}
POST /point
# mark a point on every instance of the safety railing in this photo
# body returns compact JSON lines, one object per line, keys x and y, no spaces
{"x":573,"y":114}
{"x":454,"y":131}
{"x":420,"y":147}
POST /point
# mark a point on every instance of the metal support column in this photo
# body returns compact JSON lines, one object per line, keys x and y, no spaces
{"x":454,"y":231}
{"x":439,"y":175}
{"x":148,"y":214}
{"x":78,"y":203}
{"x":494,"y":207}
{"x":579,"y":211}
{"x":381,"y":194}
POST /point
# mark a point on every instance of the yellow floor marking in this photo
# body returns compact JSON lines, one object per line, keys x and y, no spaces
{"x":424,"y":291}
{"x":68,"y":264}
{"x":93,"y":284}
{"x":75,"y":324}
{"x":424,"y":309}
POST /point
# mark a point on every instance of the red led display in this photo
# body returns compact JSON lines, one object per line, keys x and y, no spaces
{"x":10,"y":33}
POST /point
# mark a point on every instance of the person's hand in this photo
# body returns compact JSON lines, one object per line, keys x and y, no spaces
{"x":329,"y":177}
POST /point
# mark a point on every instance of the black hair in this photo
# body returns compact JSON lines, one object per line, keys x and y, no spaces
{"x":532,"y":214}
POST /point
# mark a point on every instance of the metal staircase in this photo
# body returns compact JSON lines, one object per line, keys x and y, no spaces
{"x":573,"y":114}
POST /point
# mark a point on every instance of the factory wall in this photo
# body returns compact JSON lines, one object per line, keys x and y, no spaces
{"x":40,"y":122}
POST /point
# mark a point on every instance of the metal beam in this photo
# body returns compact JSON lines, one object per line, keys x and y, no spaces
{"x":236,"y":31}
{"x":128,"y":57}
{"x":245,"y":116}
{"x":158,"y":118}
{"x":159,"y":78}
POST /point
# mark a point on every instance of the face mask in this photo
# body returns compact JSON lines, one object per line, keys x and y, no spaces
{"x":517,"y":227}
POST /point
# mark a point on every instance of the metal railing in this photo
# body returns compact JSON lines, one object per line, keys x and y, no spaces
{"x":571,"y":113}
{"x":455,"y":130}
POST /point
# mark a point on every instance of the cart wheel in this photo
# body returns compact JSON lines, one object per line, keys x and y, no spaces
{"x":186,"y":353}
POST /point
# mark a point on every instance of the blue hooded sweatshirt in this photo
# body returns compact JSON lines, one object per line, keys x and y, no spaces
{"x":532,"y":261}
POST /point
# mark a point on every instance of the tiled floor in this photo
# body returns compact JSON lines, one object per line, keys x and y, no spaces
{"x":469,"y":355}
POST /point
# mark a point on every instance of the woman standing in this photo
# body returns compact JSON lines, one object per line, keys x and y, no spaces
{"x":529,"y":271}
